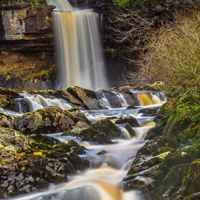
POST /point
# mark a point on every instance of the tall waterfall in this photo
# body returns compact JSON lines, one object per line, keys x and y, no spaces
{"x":78,"y":48}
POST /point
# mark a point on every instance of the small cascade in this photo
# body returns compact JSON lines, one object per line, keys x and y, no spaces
{"x":38,"y":102}
{"x":148,"y":98}
{"x":34,"y":104}
{"x":78,"y":47}
{"x":20,"y":108}
{"x":125,"y":133}
{"x":121,"y":98}
{"x":145,"y":99}
{"x":111,"y":99}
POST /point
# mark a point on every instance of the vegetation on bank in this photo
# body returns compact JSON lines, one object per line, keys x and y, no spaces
{"x":38,"y":65}
{"x":173,"y":57}
{"x":131,"y":22}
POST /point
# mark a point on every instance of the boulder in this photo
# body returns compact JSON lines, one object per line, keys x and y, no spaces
{"x":106,"y":126}
{"x":100,"y":132}
{"x":87,"y":97}
{"x":128,"y":127}
{"x":37,"y":161}
{"x":86,"y":133}
{"x":12,"y":141}
{"x":6,"y":98}
{"x":48,"y":120}
{"x":5,"y":120}
{"x":131,"y":120}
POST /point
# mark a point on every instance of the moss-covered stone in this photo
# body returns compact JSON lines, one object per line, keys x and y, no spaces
{"x":6,"y":98}
{"x":87,"y":97}
{"x":48,"y":120}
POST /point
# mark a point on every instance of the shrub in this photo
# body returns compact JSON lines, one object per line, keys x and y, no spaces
{"x":174,"y":57}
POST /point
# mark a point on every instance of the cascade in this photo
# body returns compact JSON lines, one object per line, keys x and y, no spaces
{"x":78,"y":48}
{"x":104,"y":179}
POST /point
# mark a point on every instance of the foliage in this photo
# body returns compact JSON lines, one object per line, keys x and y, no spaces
{"x":174,"y":57}
{"x":121,"y":2}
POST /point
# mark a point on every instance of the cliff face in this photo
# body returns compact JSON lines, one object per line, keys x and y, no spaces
{"x":25,"y":27}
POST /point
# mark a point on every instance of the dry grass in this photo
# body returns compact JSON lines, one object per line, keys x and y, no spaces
{"x":174,"y":57}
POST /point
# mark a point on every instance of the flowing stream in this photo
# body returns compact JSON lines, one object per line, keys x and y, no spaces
{"x":104,"y":181}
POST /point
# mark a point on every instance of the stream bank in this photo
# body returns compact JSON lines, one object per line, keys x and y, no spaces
{"x":116,"y":120}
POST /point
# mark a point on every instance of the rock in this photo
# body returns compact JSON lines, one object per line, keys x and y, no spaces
{"x":5,"y":120}
{"x":6,"y":98}
{"x":28,"y":26}
{"x":64,"y":94}
{"x":106,"y":126}
{"x":87,"y":97}
{"x":44,"y":160}
{"x":102,"y":152}
{"x":36,"y":84}
{"x":12,"y":141}
{"x":129,"y":129}
{"x":100,"y":132}
{"x":149,"y":111}
{"x":48,"y":120}
{"x":174,"y":126}
{"x":158,"y":129}
{"x":79,"y":116}
{"x":131,"y":120}
{"x":89,"y":134}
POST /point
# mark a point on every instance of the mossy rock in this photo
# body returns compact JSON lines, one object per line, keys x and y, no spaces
{"x":106,"y":126}
{"x":48,"y":120}
{"x":87,"y":97}
{"x":5,"y":120}
{"x":12,"y":141}
{"x":86,"y":133}
{"x":131,"y":120}
{"x":158,"y":129}
{"x":6,"y":98}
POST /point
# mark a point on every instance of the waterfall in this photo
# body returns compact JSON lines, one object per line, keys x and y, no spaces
{"x":78,"y":48}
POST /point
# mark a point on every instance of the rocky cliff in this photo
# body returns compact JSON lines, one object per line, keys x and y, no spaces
{"x":25,"y":26}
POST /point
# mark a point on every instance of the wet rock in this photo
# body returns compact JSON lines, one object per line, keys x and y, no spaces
{"x":174,"y":126}
{"x":12,"y":141}
{"x":102,"y":152}
{"x":79,"y":116}
{"x":64,"y":94}
{"x":106,"y":126}
{"x":45,"y":161}
{"x":6,"y":98}
{"x":43,"y":139}
{"x":158,"y":129}
{"x":87,"y":97}
{"x":100,"y":132}
{"x":5,"y":120}
{"x":129,"y":129}
{"x":149,"y":111}
{"x":152,"y":145}
{"x":131,"y":120}
{"x":91,"y":135}
{"x":48,"y":120}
